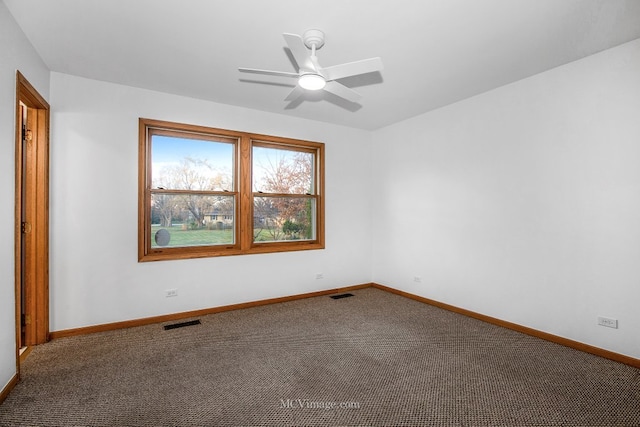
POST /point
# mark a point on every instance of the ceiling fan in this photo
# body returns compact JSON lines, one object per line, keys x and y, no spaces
{"x":311,"y":76}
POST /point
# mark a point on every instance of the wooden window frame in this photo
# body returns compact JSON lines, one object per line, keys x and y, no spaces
{"x":243,"y":192}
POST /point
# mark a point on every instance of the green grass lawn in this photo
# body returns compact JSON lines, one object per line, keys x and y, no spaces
{"x":202,"y":236}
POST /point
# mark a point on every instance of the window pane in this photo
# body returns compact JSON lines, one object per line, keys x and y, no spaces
{"x":191,"y":164}
{"x":283,"y":218}
{"x":282,"y":171}
{"x":179,"y":220}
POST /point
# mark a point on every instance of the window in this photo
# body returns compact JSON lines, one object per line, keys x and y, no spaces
{"x":211,"y":192}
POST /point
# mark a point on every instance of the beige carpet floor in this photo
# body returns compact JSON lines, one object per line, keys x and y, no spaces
{"x":373,"y":359}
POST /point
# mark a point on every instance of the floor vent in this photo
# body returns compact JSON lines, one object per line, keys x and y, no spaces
{"x":341,"y":296}
{"x":182,"y":324}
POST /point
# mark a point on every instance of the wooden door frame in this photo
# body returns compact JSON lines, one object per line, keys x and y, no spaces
{"x":37,"y":302}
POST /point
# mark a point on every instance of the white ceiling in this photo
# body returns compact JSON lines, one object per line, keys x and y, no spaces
{"x":435,"y":52}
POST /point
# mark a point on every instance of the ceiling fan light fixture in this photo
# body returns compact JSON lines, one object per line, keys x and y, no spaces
{"x":312,"y":81}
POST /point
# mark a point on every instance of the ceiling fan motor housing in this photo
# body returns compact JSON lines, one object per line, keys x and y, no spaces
{"x":313,"y":37}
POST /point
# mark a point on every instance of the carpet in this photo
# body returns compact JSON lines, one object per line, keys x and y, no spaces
{"x":372,"y":359}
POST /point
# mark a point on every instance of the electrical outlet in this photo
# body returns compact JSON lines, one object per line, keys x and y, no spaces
{"x":319,"y":276}
{"x":608,"y":322}
{"x":417,"y":279}
{"x":171,"y":293}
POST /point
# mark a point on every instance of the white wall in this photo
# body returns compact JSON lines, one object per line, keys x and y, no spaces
{"x":95,"y":276}
{"x":522,"y":203}
{"x":16,"y":53}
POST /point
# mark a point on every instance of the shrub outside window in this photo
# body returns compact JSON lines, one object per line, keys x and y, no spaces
{"x":211,"y":192}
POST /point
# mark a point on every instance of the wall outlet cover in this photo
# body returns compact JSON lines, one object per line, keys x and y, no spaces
{"x":608,"y":322}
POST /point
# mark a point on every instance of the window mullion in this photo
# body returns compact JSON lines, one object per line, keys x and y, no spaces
{"x":245,"y":208}
{"x":205,"y":192}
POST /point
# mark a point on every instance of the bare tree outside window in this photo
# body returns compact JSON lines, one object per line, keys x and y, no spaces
{"x":185,"y":198}
{"x":284,"y":180}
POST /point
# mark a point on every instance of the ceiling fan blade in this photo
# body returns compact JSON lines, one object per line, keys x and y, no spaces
{"x":299,"y":52}
{"x":342,"y":91}
{"x":353,"y":68}
{"x":296,"y":93}
{"x":268,"y":72}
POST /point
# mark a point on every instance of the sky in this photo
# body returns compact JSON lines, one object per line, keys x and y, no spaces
{"x":168,"y":151}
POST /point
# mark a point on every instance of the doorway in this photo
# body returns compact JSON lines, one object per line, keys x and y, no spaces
{"x":31,"y":217}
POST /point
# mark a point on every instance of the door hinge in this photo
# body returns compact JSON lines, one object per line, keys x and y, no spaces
{"x":26,"y":227}
{"x":27,"y":319}
{"x":27,"y":134}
